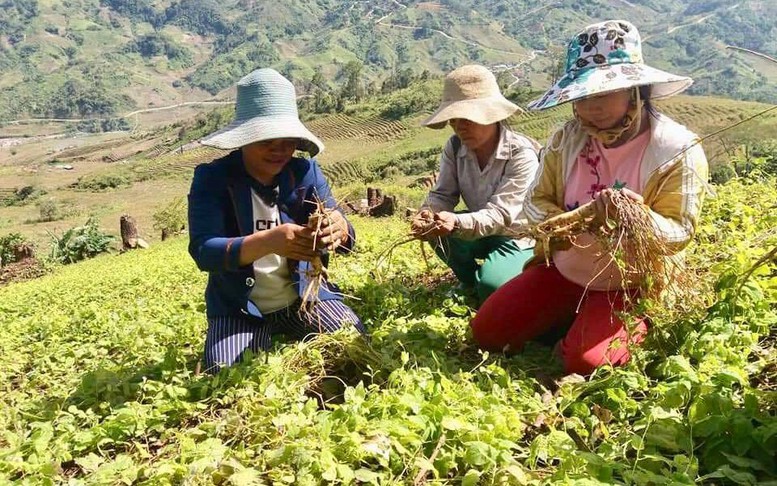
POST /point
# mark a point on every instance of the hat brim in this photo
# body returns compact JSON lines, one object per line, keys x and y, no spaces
{"x":483,"y":111}
{"x":241,"y":133}
{"x":605,"y":79}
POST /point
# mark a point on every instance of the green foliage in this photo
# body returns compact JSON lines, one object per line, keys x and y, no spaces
{"x":157,"y":44}
{"x":16,"y":17}
{"x":81,"y":98}
{"x":85,"y":68}
{"x":102,"y":182}
{"x":752,"y":159}
{"x":416,"y":98}
{"x":49,"y":210}
{"x":721,"y":173}
{"x":104,"y":380}
{"x":172,"y":218}
{"x":224,"y":71}
{"x":395,"y":102}
{"x":202,"y":17}
{"x":205,"y":124}
{"x":79,"y":243}
{"x":138,"y":10}
{"x":8,"y":245}
{"x":22,"y":195}
{"x":763,"y":155}
{"x":104,"y":125}
{"x":354,"y":88}
{"x":414,"y":163}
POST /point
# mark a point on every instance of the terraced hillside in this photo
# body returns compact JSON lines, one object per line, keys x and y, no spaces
{"x":358,"y":129}
{"x":363,"y":147}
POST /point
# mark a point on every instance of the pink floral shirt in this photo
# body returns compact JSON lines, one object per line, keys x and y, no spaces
{"x":595,"y":169}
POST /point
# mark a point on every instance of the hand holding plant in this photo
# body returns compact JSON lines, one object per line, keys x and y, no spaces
{"x":427,"y":225}
{"x":332,"y":232}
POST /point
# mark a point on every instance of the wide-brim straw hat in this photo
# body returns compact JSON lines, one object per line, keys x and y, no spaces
{"x":471,"y":92}
{"x":265,"y":109}
{"x":607,"y":57}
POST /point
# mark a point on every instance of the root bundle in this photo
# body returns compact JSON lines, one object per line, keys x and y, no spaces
{"x":629,"y":238}
{"x":318,"y":272}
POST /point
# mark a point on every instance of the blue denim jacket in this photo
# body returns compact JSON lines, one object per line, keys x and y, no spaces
{"x":221,"y":216}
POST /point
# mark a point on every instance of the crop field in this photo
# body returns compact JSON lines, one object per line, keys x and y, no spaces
{"x":356,"y":128}
{"x":98,"y":369}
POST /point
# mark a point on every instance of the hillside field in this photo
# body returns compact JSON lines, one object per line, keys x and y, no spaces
{"x":99,"y":386}
{"x":140,"y":172}
{"x":100,"y":360}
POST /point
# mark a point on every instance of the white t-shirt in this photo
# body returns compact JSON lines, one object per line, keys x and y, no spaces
{"x":273,"y":289}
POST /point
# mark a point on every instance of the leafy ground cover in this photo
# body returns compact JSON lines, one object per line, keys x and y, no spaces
{"x":99,"y":386}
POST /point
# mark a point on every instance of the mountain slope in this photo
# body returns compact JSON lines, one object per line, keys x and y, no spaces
{"x":68,"y":58}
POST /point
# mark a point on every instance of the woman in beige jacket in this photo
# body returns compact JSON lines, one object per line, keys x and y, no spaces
{"x":616,"y":142}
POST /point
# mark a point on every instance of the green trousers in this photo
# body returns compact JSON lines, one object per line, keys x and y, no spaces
{"x":502,"y":260}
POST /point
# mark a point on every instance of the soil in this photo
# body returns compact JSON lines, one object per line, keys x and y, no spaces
{"x":26,"y":269}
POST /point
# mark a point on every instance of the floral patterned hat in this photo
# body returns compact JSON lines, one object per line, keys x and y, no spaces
{"x":607,"y":57}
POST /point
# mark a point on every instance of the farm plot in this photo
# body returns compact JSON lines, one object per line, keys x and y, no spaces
{"x":346,"y":127}
{"x":98,"y":384}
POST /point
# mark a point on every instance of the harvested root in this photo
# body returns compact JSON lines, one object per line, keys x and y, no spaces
{"x":421,"y":226}
{"x":629,"y":238}
{"x":565,"y":226}
{"x":318,"y":272}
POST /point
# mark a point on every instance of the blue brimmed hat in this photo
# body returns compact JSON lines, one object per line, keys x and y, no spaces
{"x":265,"y":109}
{"x":607,"y":57}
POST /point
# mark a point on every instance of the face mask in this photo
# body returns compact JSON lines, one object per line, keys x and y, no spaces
{"x":625,"y":130}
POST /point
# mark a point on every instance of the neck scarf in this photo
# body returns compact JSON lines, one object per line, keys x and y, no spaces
{"x":625,"y":130}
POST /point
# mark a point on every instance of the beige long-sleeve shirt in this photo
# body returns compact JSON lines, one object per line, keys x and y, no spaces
{"x":494,"y":195}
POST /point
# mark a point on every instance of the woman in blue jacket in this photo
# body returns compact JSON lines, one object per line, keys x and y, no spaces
{"x":248,"y":213}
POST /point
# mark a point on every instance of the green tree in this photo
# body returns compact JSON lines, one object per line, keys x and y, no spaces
{"x":353,"y":88}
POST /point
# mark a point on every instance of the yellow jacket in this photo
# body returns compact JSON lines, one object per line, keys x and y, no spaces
{"x":673,"y":177}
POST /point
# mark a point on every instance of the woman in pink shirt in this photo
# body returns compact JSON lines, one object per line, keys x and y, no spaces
{"x":617,"y":141}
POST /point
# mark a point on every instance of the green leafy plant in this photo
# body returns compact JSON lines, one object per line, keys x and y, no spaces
{"x":102,"y":182}
{"x":49,"y":210}
{"x":172,"y":218}
{"x":21,"y":195}
{"x":80,"y":243}
{"x":103,"y":385}
{"x":8,"y":247}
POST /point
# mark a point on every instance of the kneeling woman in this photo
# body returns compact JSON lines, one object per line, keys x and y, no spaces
{"x":490,"y":167}
{"x":247,"y":226}
{"x":617,"y":141}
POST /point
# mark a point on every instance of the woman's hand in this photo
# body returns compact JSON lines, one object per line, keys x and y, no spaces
{"x":427,"y":225}
{"x":604,"y":206}
{"x":446,"y":223}
{"x":333,"y":231}
{"x":291,"y":241}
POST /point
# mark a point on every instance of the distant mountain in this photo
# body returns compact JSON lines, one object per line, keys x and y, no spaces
{"x":82,"y":58}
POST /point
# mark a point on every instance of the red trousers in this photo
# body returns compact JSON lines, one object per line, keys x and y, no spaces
{"x":540,"y":299}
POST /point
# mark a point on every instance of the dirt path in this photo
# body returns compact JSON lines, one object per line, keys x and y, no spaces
{"x":531,"y":58}
{"x":674,"y":28}
{"x":14,"y":141}
{"x":126,"y":115}
{"x":698,"y":21}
